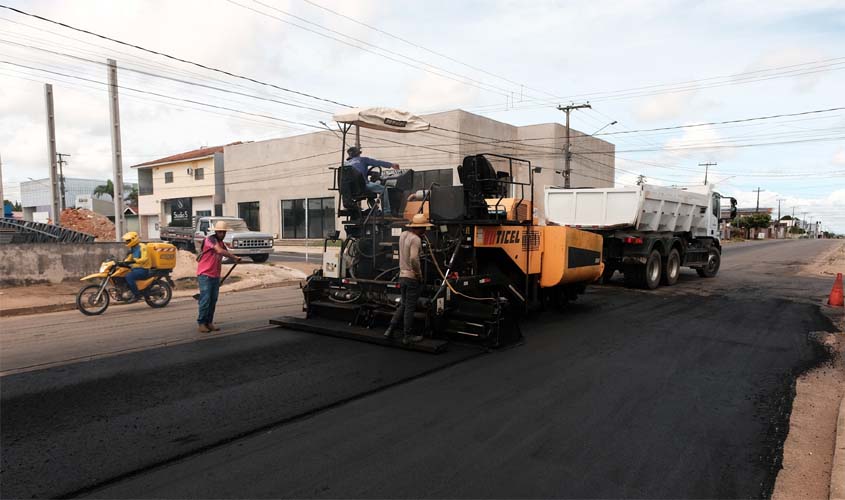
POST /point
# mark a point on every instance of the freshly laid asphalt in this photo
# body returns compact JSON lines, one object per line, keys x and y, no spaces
{"x":682,"y":392}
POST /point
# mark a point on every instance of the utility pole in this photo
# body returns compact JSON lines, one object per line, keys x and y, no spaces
{"x":777,"y":224}
{"x":804,"y":224}
{"x":641,"y":180}
{"x":706,"y":169}
{"x":61,"y":163}
{"x":567,"y":156}
{"x":117,"y":153}
{"x":757,"y":210}
{"x":51,"y":146}
{"x":2,"y":200}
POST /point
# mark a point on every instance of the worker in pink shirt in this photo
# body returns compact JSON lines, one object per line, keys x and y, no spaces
{"x":209,"y":263}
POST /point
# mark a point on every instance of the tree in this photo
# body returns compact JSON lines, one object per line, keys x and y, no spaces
{"x":132,"y":197}
{"x":796,"y":230}
{"x":16,"y":206}
{"x":107,"y":188}
{"x":786,"y":217}
{"x":753,"y":221}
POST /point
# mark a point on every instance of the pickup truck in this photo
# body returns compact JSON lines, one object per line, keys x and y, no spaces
{"x":240,"y":240}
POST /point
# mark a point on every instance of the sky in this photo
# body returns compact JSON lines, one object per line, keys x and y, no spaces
{"x":643,"y":64}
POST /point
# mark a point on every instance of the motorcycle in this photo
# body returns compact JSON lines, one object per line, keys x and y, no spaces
{"x":94,"y":299}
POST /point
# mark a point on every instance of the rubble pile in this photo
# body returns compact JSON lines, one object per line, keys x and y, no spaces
{"x":86,"y":221}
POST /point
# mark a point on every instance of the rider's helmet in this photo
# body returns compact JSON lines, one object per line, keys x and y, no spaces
{"x":131,"y":239}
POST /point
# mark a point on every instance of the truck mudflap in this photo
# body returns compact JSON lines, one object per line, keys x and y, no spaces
{"x":635,"y":259}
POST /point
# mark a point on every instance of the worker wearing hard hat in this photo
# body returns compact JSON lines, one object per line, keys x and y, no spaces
{"x":410,"y":279}
{"x":140,"y":262}
{"x":362,"y":164}
{"x":209,"y":264}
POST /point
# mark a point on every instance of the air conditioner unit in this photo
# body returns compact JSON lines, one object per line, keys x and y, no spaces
{"x":190,"y":171}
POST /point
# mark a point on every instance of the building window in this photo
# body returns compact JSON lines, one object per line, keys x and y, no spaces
{"x":293,"y":219}
{"x":145,"y":181}
{"x":424,"y":178}
{"x":316,"y":223}
{"x":199,"y":174}
{"x":168,"y":177}
{"x":203,"y":213}
{"x":248,"y":211}
{"x":218,"y":210}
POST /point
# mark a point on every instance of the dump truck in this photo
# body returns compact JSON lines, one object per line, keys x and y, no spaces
{"x":486,"y":262}
{"x":649,"y":231}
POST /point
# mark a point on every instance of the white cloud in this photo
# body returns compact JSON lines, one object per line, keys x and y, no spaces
{"x":839,"y":157}
{"x":665,"y":106}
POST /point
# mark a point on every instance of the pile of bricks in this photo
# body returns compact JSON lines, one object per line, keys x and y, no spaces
{"x":86,"y":221}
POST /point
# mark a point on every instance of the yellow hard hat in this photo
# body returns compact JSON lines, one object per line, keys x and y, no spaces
{"x":420,"y":220}
{"x":131,"y":239}
{"x":220,"y":226}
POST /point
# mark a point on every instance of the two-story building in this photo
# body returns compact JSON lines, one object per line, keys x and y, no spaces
{"x":177,"y":188}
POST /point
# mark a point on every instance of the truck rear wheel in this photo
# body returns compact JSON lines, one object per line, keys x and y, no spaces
{"x":714,"y":260}
{"x":671,"y":268}
{"x":644,"y":275}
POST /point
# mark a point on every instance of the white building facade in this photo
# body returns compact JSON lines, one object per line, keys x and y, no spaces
{"x":284,"y":184}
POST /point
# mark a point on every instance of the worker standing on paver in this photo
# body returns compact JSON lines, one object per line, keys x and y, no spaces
{"x":209,"y":263}
{"x":410,"y":276}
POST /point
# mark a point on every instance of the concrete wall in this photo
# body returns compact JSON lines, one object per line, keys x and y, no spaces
{"x":29,"y":263}
{"x":298,"y":167}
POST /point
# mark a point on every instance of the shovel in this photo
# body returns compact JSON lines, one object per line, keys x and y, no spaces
{"x":197,"y":296}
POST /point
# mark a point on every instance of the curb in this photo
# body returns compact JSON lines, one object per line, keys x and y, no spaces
{"x":69,"y":306}
{"x":837,"y":473}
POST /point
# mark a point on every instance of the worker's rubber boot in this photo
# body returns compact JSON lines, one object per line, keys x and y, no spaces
{"x":412,"y":339}
{"x":203,"y":329}
{"x":212,"y":327}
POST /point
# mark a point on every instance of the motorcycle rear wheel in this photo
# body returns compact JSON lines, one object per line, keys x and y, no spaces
{"x":85,"y":300}
{"x":158,"y":294}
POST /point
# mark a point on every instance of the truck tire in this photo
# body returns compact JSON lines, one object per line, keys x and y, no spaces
{"x":671,"y":268}
{"x":644,"y":275}
{"x":714,"y":260}
{"x":261,"y":257}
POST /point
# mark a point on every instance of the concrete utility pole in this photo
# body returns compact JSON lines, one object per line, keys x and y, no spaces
{"x":62,"y":178}
{"x":56,"y":213}
{"x":567,"y":157}
{"x":706,"y":169}
{"x":1,"y":189}
{"x":117,"y":152}
{"x":757,"y":210}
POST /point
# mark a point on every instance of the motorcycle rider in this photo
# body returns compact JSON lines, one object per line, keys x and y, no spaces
{"x":139,"y":260}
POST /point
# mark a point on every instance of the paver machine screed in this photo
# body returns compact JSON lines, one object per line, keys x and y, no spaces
{"x":485,"y":261}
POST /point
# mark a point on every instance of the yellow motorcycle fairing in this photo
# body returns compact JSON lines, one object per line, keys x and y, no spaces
{"x":95,"y":275}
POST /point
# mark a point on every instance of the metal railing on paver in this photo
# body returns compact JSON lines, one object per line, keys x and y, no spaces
{"x":39,"y":232}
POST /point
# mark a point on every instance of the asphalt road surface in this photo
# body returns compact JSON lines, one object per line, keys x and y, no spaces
{"x":680,"y":392}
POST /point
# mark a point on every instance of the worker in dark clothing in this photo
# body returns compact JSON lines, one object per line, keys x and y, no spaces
{"x":410,"y":279}
{"x":362,"y":164}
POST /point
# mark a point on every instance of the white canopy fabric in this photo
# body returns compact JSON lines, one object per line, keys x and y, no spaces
{"x":388,"y":119}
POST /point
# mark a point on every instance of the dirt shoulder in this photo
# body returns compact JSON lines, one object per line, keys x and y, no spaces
{"x":827,"y":263}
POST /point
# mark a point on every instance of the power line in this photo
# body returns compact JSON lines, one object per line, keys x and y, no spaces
{"x":175,"y":58}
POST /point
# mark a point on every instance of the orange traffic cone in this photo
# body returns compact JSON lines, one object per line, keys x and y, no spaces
{"x":836,"y":292}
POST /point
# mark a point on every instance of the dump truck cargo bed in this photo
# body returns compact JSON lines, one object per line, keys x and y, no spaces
{"x":638,"y":208}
